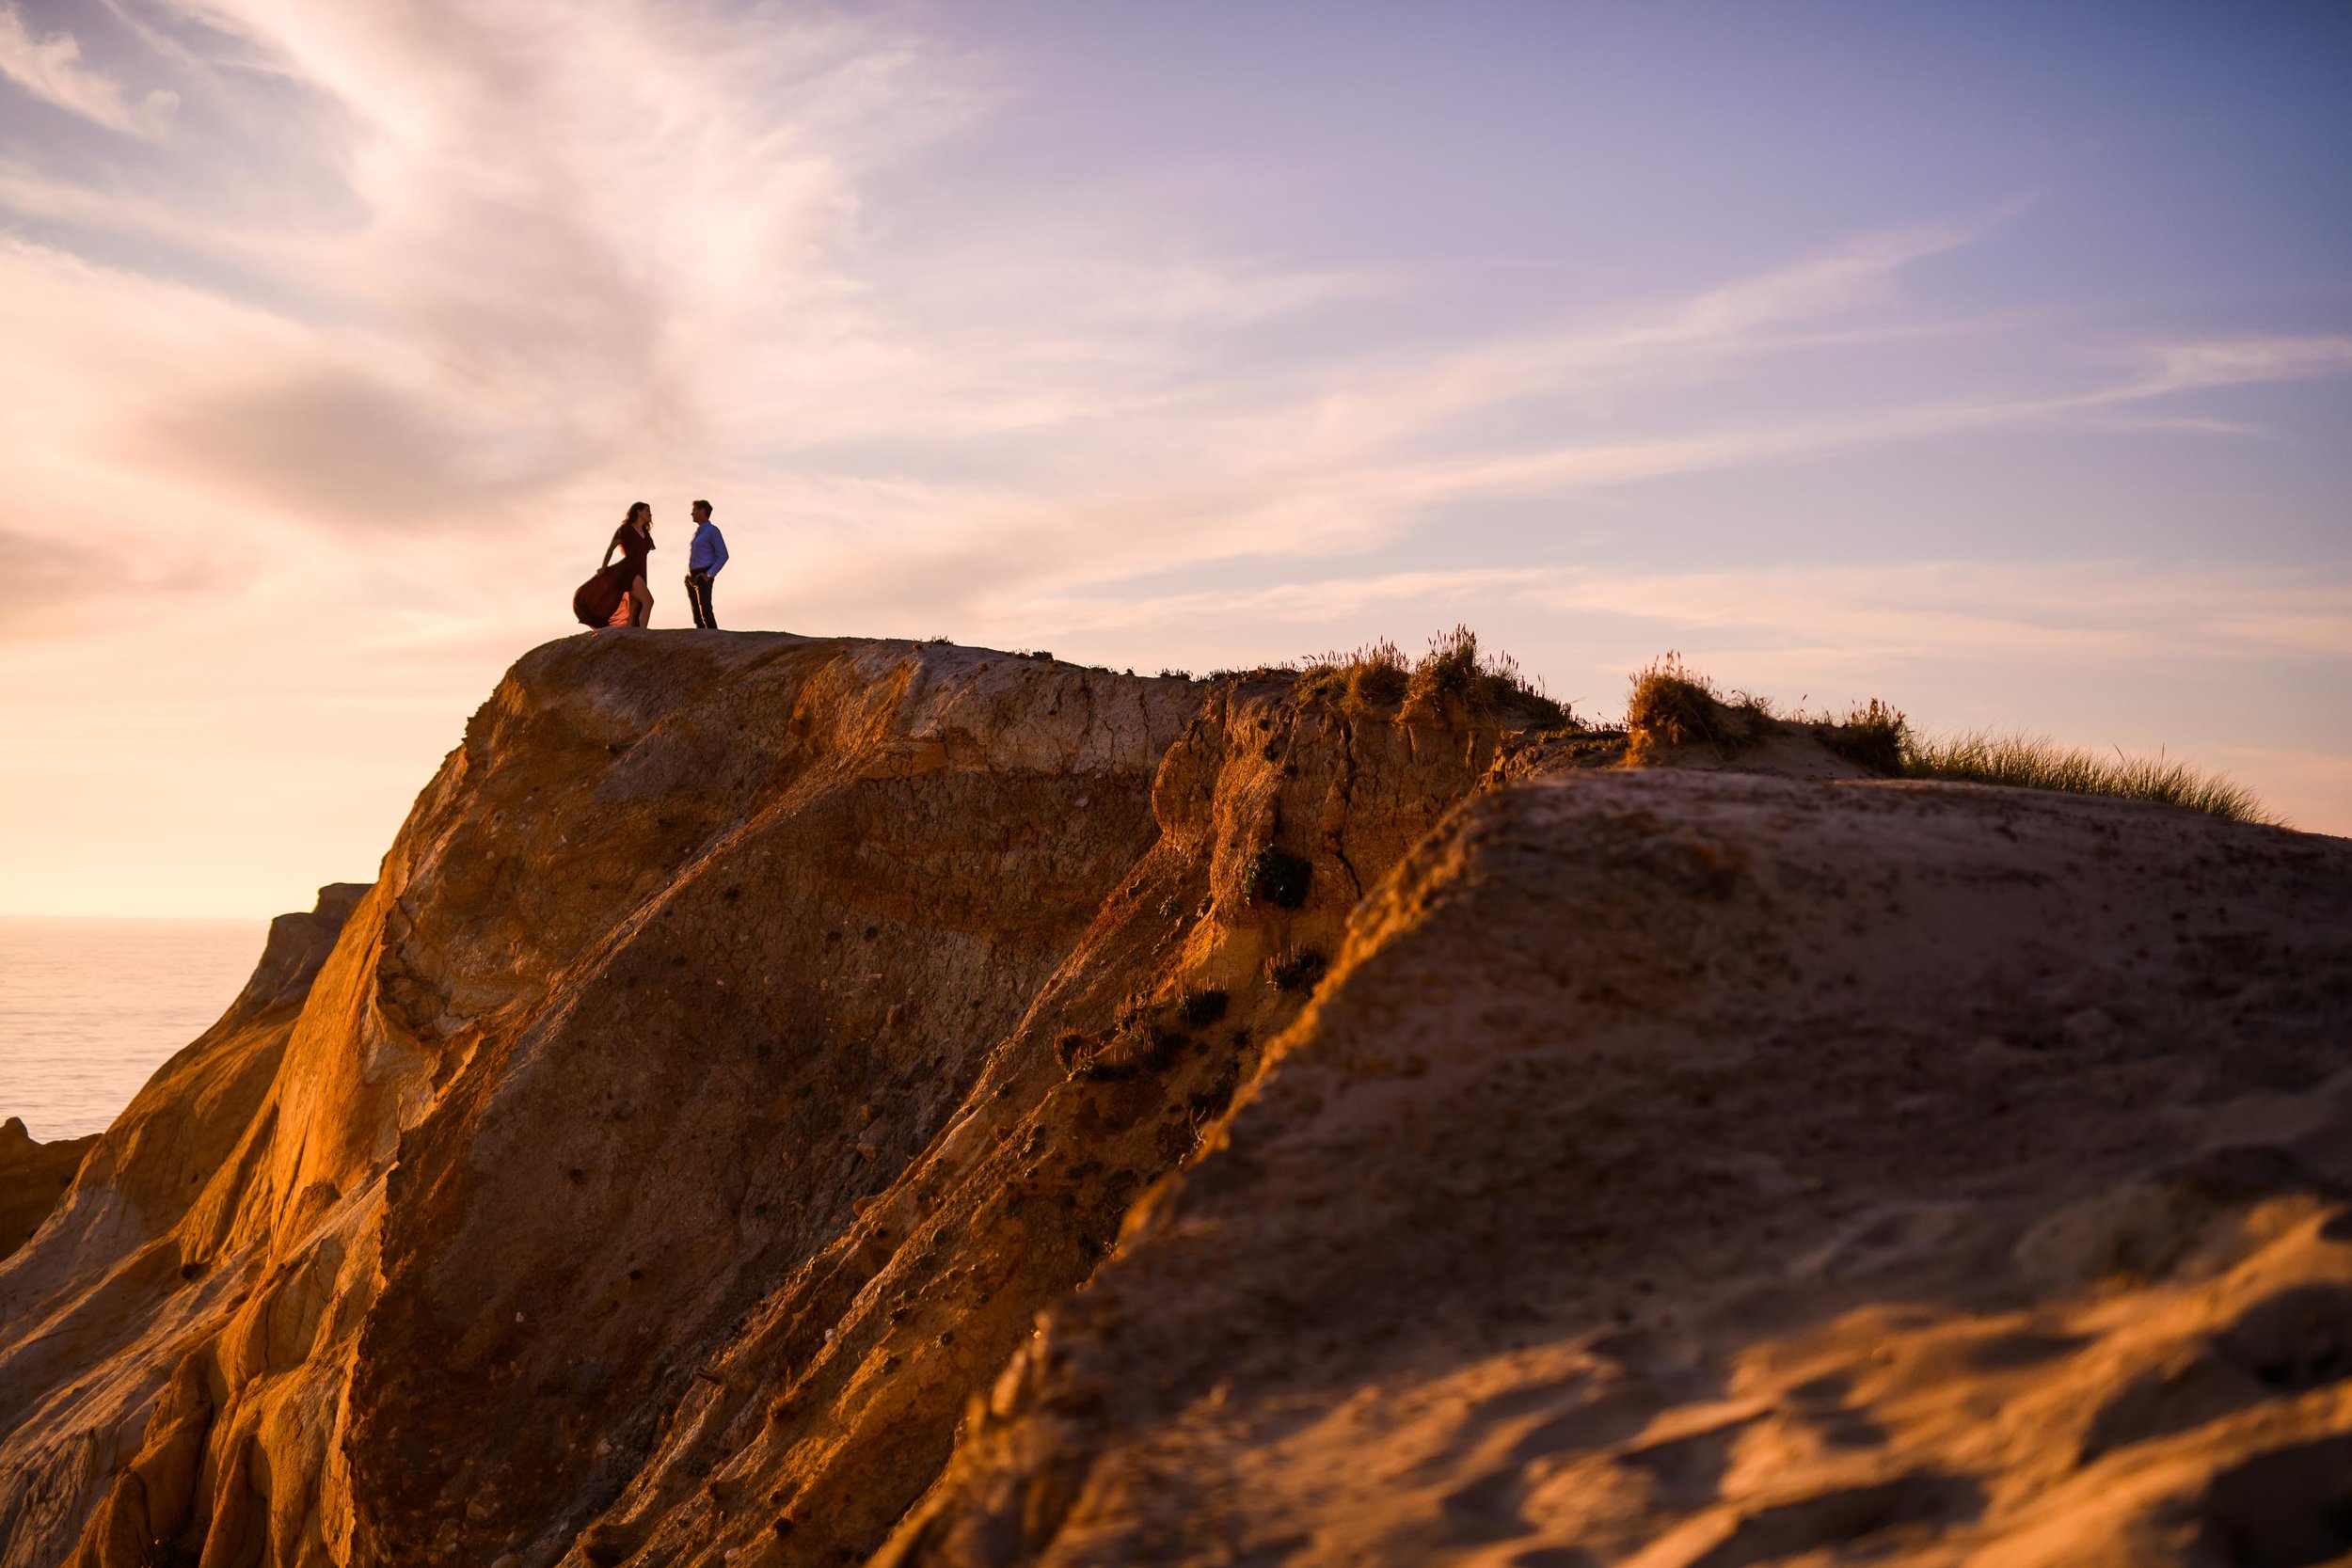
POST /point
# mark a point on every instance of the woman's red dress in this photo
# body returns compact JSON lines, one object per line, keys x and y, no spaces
{"x":599,"y":598}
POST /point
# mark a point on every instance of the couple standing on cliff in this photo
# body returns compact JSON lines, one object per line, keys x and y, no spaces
{"x":617,"y":594}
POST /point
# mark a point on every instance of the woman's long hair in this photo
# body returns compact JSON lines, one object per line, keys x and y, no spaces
{"x":635,"y":509}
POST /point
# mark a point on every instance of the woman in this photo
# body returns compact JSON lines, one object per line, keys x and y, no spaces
{"x":624,"y":582}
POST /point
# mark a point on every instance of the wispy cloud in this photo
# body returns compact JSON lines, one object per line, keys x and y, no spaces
{"x":2108,"y":609}
{"x":52,"y":70}
{"x":2236,"y":362}
{"x":570,"y":275}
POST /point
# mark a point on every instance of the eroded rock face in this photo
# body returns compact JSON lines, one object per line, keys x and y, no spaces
{"x":748,"y":1035}
{"x":788,"y":1100}
{"x":110,"y":1313}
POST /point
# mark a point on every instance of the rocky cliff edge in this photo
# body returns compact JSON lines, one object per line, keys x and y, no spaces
{"x":795,"y":1101}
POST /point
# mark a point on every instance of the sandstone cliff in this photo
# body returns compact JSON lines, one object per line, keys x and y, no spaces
{"x":33,"y":1175}
{"x":787,"y":1100}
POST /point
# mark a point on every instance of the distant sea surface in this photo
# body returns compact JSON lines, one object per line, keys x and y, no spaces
{"x":89,"y":1009}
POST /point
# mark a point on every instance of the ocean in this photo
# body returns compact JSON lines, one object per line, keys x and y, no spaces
{"x":89,"y":1009}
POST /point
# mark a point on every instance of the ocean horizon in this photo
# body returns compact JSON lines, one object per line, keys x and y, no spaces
{"x":90,"y":1007}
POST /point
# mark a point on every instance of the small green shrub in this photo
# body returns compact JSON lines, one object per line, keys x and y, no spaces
{"x":1279,"y":877}
{"x":1175,"y":675}
{"x":2035,"y":762}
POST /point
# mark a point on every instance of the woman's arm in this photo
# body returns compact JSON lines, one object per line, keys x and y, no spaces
{"x":608,"y":555}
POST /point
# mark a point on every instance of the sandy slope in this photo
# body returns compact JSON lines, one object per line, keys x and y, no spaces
{"x":1705,"y":1170}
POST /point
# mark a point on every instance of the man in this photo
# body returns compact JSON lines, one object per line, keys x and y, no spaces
{"x":703,"y":560}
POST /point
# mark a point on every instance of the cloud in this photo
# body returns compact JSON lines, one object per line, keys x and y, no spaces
{"x":50,"y":70}
{"x":1645,"y":342}
{"x":650,"y":258}
{"x":558,"y":260}
{"x":50,"y":578}
{"x":2121,"y":609}
{"x":2240,"y":361}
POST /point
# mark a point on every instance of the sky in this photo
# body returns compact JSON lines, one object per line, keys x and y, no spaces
{"x":1993,"y":360}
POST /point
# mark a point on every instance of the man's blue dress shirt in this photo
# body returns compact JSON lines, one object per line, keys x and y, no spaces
{"x":709,"y":551}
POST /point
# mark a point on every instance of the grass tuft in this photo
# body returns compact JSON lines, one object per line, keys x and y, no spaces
{"x":1454,"y":677}
{"x":1871,"y":735}
{"x":1369,"y":679}
{"x":2035,"y":762}
{"x":1673,"y":705}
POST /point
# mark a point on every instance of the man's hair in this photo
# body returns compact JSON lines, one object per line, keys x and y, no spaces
{"x":702,"y":506}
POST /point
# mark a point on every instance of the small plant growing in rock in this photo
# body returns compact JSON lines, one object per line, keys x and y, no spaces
{"x":1279,"y":877}
{"x":1117,"y":1059}
{"x":1163,"y":1045}
{"x":1301,"y":971}
{"x":1175,"y":675}
{"x":1202,"y":1008}
{"x":1208,"y":1103}
{"x":1136,"y":1047}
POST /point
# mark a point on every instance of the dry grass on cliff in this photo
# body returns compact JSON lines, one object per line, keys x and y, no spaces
{"x":1673,"y":705}
{"x":1372,"y":678}
{"x":2035,"y":762}
{"x":1869,"y":734}
{"x":1454,"y":677}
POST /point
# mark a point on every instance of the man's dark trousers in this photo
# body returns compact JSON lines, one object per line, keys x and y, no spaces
{"x":698,"y":595}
